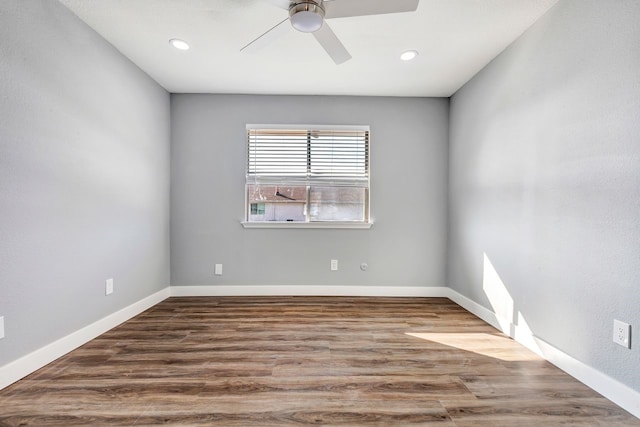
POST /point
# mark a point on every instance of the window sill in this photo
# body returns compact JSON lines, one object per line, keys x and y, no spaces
{"x":327,"y":224}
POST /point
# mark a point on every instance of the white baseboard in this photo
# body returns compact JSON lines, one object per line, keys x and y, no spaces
{"x":24,"y":366}
{"x":285,"y":290}
{"x":620,"y":394}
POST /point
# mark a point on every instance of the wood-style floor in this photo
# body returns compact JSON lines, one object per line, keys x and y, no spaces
{"x":293,"y":361}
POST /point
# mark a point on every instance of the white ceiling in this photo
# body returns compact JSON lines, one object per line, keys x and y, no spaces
{"x":455,"y":39}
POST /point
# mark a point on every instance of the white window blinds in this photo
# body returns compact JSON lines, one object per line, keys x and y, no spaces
{"x":308,"y":156}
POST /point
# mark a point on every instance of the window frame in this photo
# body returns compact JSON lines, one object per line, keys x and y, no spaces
{"x":367,"y":221}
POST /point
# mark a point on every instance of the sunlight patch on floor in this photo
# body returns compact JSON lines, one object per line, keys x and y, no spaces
{"x":495,"y":346}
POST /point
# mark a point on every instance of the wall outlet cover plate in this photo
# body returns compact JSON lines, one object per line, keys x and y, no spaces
{"x":108,"y":287}
{"x":622,"y":333}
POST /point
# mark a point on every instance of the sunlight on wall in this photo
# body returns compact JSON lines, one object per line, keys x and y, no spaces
{"x":524,"y":335}
{"x":490,"y":345}
{"x":499,"y":297}
{"x":503,"y":306}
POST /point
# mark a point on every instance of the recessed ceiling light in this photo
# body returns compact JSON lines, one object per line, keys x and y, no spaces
{"x":179,"y":44}
{"x":408,"y":55}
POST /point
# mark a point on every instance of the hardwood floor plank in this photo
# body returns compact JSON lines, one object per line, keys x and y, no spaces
{"x":293,"y":361}
{"x":592,"y":411}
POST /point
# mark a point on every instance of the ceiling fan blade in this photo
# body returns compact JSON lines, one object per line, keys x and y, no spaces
{"x":346,"y":8}
{"x":267,"y":37}
{"x":331,"y":44}
{"x":282,"y":4}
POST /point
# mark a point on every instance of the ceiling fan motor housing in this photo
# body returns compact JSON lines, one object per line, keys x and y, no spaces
{"x":306,"y":16}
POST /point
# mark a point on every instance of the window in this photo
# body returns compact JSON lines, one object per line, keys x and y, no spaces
{"x":257,"y":208}
{"x":307,"y":175}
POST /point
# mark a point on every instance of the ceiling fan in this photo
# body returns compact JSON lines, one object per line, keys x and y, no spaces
{"x":308,"y":16}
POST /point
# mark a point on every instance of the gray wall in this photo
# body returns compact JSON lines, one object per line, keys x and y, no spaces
{"x":84,"y":177}
{"x":405,"y":246}
{"x":545,"y":180}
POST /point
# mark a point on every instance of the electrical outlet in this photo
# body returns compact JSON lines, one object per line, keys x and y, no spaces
{"x":334,"y":265}
{"x":108,"y":287}
{"x":622,"y":333}
{"x":1,"y":327}
{"x":218,"y":270}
